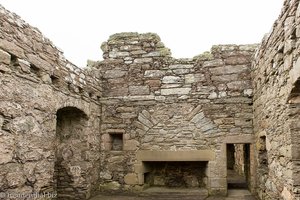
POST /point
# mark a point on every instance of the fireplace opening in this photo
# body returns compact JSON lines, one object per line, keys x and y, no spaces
{"x":176,"y":174}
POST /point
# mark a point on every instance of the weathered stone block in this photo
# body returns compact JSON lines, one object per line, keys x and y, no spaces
{"x":115,"y":73}
{"x":236,"y":60}
{"x":175,"y":91}
{"x":130,"y":145}
{"x":131,"y":179}
{"x":39,"y":62}
{"x":154,"y":73}
{"x":152,"y":54}
{"x":218,"y":182}
{"x":110,"y":186}
{"x":229,"y":69}
{"x":142,"y":60}
{"x":181,"y":66}
{"x":181,"y":71}
{"x":193,"y":78}
{"x":213,"y":63}
{"x":239,"y":85}
{"x":115,"y":54}
{"x":4,"y":68}
{"x":225,"y":78}
{"x":12,"y":48}
{"x":139,"y":90}
{"x":171,"y":79}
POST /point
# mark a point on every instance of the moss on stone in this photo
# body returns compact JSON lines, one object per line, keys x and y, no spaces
{"x":204,"y":56}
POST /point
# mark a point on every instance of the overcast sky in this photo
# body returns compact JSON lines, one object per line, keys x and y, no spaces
{"x":187,"y":27}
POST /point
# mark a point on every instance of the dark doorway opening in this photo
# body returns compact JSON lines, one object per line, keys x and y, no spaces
{"x":238,"y":166}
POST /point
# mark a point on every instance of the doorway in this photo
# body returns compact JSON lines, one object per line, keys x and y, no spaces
{"x":70,"y":126}
{"x":238,"y":166}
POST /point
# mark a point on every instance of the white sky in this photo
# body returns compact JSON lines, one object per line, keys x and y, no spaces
{"x":187,"y":27}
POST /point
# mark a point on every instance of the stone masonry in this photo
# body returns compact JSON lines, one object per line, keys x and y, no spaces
{"x":141,"y":118}
{"x":159,"y":103}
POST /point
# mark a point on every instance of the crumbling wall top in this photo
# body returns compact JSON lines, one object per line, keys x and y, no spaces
{"x":36,"y":58}
{"x":131,"y":44}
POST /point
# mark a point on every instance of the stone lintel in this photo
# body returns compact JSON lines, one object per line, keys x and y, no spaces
{"x":115,"y":131}
{"x":192,"y":155}
{"x":236,"y":139}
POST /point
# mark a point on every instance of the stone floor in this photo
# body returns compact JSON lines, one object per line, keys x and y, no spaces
{"x":236,"y":181}
{"x":234,"y":194}
{"x":238,"y":191}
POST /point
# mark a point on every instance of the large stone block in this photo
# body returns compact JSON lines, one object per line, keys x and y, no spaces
{"x":237,"y":60}
{"x":213,"y":63}
{"x":130,"y":145}
{"x":171,"y":79}
{"x":175,"y":91}
{"x":131,"y":179}
{"x":225,"y":78}
{"x":115,"y":73}
{"x":218,"y":182}
{"x":139,"y":90}
{"x":12,"y":48}
{"x":181,"y":66}
{"x":229,"y":69}
{"x":193,"y":78}
{"x":154,"y":73}
{"x":115,"y":54}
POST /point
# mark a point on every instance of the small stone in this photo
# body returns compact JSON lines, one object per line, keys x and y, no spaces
{"x":25,"y":65}
{"x":213,"y":95}
{"x":4,"y":57}
{"x":46,"y":79}
{"x":248,"y":92}
{"x":4,"y":68}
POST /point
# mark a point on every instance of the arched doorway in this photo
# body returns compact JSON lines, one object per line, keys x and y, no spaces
{"x":70,"y":126}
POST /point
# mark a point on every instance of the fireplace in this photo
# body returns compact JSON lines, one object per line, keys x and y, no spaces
{"x":182,"y":174}
{"x":174,"y":169}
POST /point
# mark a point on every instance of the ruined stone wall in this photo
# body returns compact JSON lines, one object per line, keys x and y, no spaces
{"x":36,"y":81}
{"x":276,"y":113}
{"x":160,"y":103}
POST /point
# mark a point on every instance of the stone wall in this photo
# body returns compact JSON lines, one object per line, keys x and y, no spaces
{"x":36,"y":83}
{"x":160,"y":103}
{"x":68,"y":130}
{"x":276,"y":114}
